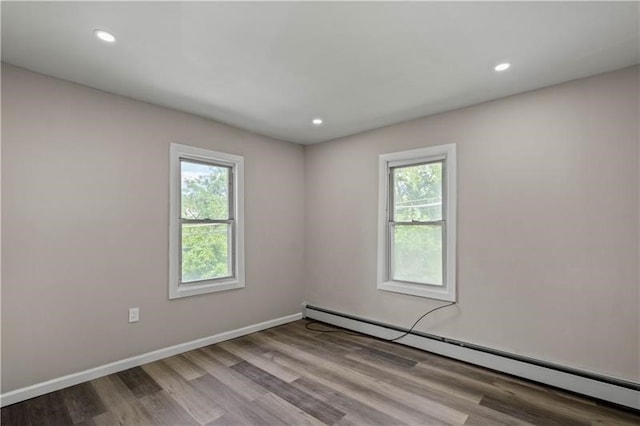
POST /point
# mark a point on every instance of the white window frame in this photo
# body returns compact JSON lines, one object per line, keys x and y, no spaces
{"x":447,"y":154}
{"x":236,"y":163}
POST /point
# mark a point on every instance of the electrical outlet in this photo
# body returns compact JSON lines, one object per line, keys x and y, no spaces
{"x":134,"y":314}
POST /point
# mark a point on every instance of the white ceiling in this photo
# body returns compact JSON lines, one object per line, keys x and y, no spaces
{"x":272,"y":67}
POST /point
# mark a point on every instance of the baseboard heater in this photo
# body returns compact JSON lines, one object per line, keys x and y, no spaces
{"x":610,"y":389}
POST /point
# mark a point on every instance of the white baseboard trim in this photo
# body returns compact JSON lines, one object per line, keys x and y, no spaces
{"x":38,"y":389}
{"x":589,"y":386}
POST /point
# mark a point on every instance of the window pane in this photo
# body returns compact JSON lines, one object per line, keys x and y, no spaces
{"x":417,"y":254}
{"x":205,"y":251}
{"x":417,"y":193}
{"x":205,"y":191}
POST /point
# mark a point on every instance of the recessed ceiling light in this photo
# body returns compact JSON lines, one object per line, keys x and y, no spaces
{"x":105,"y":36}
{"x":502,"y":67}
{"x":317,"y":121}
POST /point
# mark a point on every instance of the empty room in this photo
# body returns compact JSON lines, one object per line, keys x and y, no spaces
{"x":323,"y":213}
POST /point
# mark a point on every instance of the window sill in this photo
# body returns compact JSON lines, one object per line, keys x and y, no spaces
{"x":428,"y":291}
{"x":187,"y":290}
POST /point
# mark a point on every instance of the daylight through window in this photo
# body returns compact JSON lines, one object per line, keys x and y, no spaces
{"x":417,"y":222}
{"x":206,"y":247}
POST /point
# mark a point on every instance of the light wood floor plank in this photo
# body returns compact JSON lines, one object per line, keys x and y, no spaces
{"x":226,"y":375}
{"x":184,"y":367}
{"x":287,"y":412}
{"x":246,"y":353}
{"x":357,"y":411}
{"x":162,"y":409}
{"x":286,"y":391}
{"x":199,"y":406}
{"x":221,"y":356}
{"x":120,"y":402}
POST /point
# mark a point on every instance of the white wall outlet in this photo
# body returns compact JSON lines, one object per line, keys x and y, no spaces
{"x":134,"y":314}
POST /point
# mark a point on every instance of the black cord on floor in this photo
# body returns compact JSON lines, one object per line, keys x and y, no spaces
{"x":418,"y":320}
{"x":307,"y":326}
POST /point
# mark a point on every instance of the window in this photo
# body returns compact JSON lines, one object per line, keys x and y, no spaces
{"x":417,"y":229}
{"x":206,"y":232}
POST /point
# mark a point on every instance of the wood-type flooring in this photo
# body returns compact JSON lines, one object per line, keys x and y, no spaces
{"x":289,"y":375}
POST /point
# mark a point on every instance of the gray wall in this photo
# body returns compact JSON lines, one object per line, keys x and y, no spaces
{"x":85,"y":229}
{"x":547,"y":224}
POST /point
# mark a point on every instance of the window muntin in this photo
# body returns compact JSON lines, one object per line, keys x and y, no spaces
{"x":206,"y":233}
{"x":417,"y":229}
